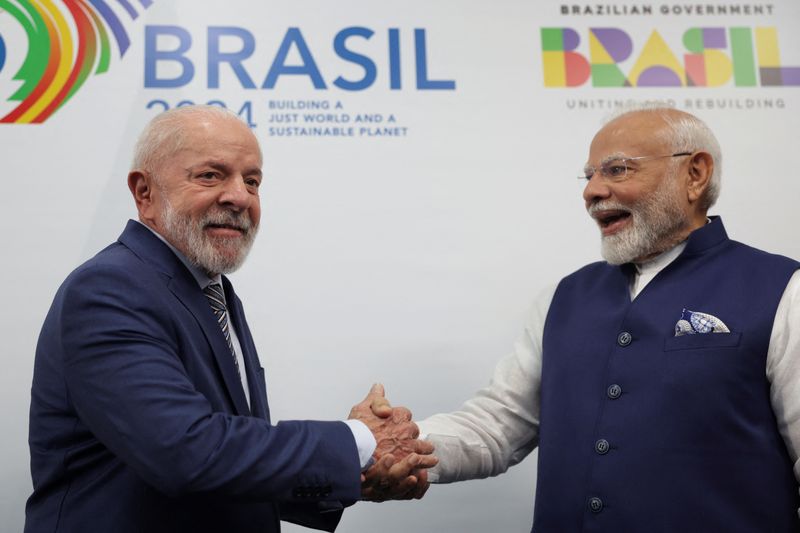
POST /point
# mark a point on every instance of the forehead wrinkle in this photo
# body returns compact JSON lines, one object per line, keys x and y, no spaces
{"x":218,"y":164}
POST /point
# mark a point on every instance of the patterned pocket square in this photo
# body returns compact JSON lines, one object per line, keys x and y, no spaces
{"x":692,"y":322}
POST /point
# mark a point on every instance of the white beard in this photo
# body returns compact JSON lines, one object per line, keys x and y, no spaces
{"x":655,"y":222}
{"x":213,"y":255}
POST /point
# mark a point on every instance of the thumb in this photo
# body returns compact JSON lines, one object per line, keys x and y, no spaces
{"x":379,"y":405}
{"x":377,"y":390}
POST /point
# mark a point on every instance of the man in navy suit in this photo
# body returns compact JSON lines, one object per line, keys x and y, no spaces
{"x":149,"y":410}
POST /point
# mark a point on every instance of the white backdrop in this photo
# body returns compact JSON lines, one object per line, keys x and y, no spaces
{"x":406,"y":259}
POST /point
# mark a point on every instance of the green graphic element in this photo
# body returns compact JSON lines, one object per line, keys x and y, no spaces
{"x":744,"y":62}
{"x":693,"y":40}
{"x":552,"y":40}
{"x":105,"y":44}
{"x":608,"y":76}
{"x":35,"y":63}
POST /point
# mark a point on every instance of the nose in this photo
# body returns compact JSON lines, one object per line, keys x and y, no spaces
{"x":235,"y":193}
{"x":596,"y":189}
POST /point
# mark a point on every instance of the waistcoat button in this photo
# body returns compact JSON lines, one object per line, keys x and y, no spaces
{"x":624,"y":338}
{"x":601,"y":446}
{"x":614,"y":391}
{"x":595,"y":504}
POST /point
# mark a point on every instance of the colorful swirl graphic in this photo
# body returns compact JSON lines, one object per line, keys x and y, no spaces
{"x":2,"y":52}
{"x":60,"y":58}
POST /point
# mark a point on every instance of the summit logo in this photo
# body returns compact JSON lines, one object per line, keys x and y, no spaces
{"x":66,"y":44}
{"x":710,"y":57}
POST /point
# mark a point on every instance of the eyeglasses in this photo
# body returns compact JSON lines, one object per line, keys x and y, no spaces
{"x":617,"y":169}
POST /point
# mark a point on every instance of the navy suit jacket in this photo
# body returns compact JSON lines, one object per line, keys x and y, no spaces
{"x":138,"y":421}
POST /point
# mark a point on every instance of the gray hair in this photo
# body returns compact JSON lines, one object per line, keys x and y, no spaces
{"x":165,"y":134}
{"x":685,"y":133}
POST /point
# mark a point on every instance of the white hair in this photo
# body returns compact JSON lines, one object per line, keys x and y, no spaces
{"x":684,"y":133}
{"x":165,"y":134}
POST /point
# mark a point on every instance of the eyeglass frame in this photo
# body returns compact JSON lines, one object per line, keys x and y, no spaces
{"x":588,"y":176}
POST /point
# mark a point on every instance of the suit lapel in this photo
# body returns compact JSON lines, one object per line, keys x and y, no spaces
{"x":255,"y":379}
{"x":195,"y":301}
{"x":183,"y":285}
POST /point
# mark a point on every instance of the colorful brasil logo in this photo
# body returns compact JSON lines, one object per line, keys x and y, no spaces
{"x":58,"y":63}
{"x":715,"y":56}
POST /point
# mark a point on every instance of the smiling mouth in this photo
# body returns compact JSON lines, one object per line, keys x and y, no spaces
{"x":225,"y":228}
{"x":612,"y":220}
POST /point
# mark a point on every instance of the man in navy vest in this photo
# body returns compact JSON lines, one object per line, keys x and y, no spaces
{"x":661,"y":386}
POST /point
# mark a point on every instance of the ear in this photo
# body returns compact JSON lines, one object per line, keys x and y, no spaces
{"x":141,"y":185}
{"x":701,"y":167}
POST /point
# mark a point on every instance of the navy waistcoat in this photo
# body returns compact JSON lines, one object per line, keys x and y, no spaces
{"x":643,"y":431}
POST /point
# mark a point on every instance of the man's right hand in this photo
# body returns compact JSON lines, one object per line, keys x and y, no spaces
{"x":401,"y":459}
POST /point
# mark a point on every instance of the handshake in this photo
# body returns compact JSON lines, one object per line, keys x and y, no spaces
{"x":401,"y":459}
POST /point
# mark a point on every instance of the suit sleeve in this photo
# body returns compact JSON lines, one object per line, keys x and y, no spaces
{"x":127,"y":383}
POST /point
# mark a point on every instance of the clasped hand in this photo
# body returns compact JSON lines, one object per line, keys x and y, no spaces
{"x":401,"y":459}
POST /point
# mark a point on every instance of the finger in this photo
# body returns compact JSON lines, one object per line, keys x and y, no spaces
{"x":371,"y":494}
{"x":402,"y":469}
{"x":389,"y":474}
{"x":412,"y":461}
{"x":422,"y":484}
{"x":423,"y":447}
{"x":376,"y":391}
{"x":427,"y":461}
{"x":383,"y":466}
{"x":420,"y":490}
{"x":379,"y":470}
{"x":401,"y":414}
{"x":408,"y":430}
{"x":405,"y":489}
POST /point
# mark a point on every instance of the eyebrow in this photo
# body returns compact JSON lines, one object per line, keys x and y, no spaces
{"x":218,"y":165}
{"x":612,"y":157}
{"x":606,"y":159}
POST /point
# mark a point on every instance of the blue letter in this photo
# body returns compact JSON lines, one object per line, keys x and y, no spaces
{"x":2,"y":52}
{"x":394,"y":59}
{"x":152,"y":56}
{"x":215,"y":57}
{"x":307,"y":68}
{"x":366,"y":63}
{"x":422,"y":66}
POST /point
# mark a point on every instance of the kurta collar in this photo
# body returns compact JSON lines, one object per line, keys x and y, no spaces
{"x":700,"y":240}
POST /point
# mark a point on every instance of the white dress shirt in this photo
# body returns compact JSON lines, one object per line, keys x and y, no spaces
{"x":499,"y":426}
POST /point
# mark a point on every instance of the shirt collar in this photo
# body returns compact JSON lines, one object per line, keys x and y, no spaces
{"x":657,"y":263}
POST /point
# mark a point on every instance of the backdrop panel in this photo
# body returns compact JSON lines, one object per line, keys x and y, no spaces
{"x":420,"y":190}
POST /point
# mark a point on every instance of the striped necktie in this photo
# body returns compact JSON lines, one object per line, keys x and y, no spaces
{"x":214,"y":294}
